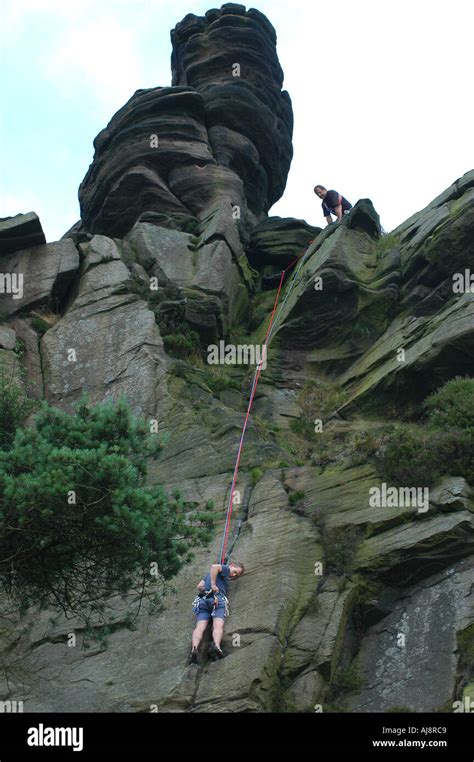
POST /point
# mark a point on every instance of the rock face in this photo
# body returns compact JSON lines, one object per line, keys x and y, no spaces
{"x":344,"y":605}
{"x":278,"y":241}
{"x":117,"y":347}
{"x":416,"y":640}
{"x":222,"y":131}
{"x":207,"y":156}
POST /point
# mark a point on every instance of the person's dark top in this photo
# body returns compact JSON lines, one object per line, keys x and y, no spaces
{"x":222,"y":579}
{"x":333,"y":199}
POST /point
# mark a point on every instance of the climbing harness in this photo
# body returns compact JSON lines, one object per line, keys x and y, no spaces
{"x":271,"y":327}
{"x":207,"y":595}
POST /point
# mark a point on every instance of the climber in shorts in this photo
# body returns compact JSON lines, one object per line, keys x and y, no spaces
{"x":333,"y":203}
{"x":211,"y":603}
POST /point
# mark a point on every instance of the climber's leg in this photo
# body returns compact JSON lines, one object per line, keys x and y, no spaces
{"x":198,"y":632}
{"x":217,"y":630}
{"x":215,"y":651}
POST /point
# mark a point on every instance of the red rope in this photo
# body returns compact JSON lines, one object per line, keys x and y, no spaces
{"x":252,"y":397}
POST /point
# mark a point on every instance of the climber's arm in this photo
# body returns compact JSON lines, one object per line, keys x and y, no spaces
{"x":328,"y":219}
{"x":338,"y":212}
{"x":215,"y":569}
{"x":202,"y":585}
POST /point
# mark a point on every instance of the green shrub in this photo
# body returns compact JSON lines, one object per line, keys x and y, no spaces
{"x":296,"y":497}
{"x":348,"y":679}
{"x":319,"y":399}
{"x":340,"y":548}
{"x":78,"y":524}
{"x":364,"y":446}
{"x":304,"y":427}
{"x":178,"y":369}
{"x":170,"y":313}
{"x":255,"y":475}
{"x":39,"y":325}
{"x":218,"y":379}
{"x":44,"y":319}
{"x":452,"y":406}
{"x":415,"y":455}
{"x":329,"y":447}
{"x":20,"y":349}
{"x":137,"y":285}
{"x":454,"y":451}
{"x":181,"y":345}
{"x":407,"y":457}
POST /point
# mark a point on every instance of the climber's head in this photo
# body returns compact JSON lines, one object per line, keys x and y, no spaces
{"x":236,"y":569}
{"x":320,"y":191}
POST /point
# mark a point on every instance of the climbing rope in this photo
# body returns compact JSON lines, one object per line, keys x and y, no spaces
{"x":258,"y":370}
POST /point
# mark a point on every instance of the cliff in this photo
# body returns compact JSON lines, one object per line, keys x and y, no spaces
{"x":179,"y":189}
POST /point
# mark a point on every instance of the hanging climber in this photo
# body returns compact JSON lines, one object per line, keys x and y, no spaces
{"x":211,"y":601}
{"x":333,"y":203}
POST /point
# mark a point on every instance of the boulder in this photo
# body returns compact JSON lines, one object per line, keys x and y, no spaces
{"x":408,"y":553}
{"x":23,"y":231}
{"x":207,"y":275}
{"x":7,"y":337}
{"x":278,"y":241}
{"x":307,"y":692}
{"x":108,"y":343}
{"x":41,"y":275}
{"x":166,"y":254}
{"x":453,"y":493}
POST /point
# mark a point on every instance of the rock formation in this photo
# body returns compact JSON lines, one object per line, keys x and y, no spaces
{"x":221,"y":133}
{"x":20,"y":232}
{"x":191,"y":210}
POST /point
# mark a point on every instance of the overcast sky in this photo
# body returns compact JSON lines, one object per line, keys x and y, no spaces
{"x":381,"y":91}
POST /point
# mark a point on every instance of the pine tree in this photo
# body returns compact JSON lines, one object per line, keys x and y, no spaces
{"x":78,"y":523}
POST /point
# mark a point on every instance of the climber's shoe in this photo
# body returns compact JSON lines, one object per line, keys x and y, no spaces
{"x":193,"y":657}
{"x":215,"y":652}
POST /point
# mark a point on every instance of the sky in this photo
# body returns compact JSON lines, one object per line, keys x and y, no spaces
{"x":381,"y":92}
